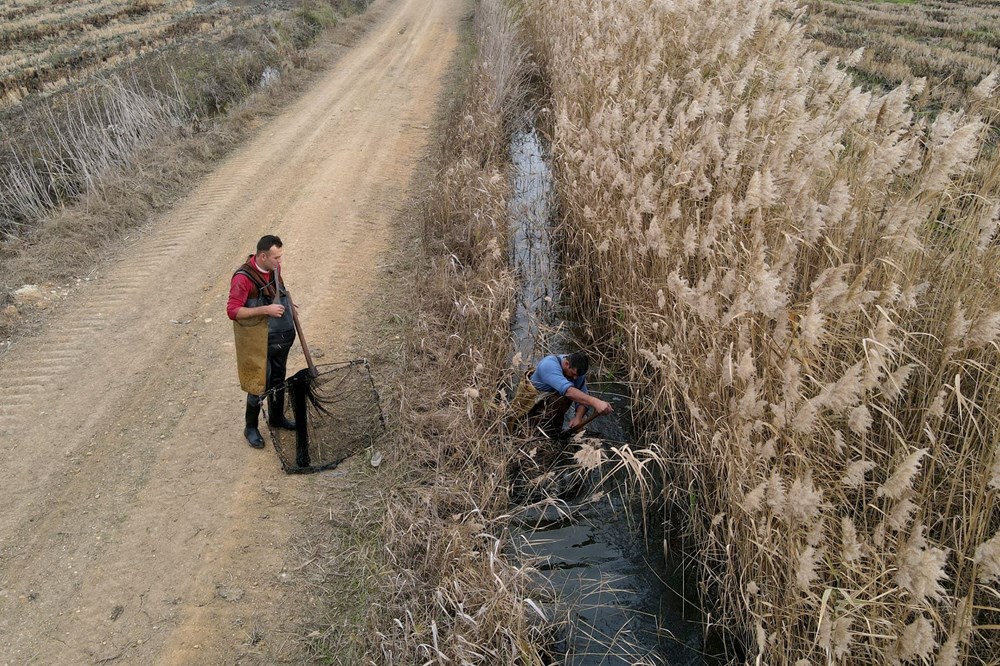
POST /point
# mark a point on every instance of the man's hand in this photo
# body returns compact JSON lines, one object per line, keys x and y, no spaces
{"x":603,"y":408}
{"x":577,"y":420}
{"x":274,"y":310}
{"x":582,"y":398}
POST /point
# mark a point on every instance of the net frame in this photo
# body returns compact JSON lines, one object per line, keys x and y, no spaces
{"x":301,"y":397}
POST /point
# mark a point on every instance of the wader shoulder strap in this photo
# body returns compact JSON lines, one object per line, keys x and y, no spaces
{"x":259,"y":284}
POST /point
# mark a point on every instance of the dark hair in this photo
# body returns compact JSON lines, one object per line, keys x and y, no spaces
{"x":580,"y":362}
{"x":267,"y":242}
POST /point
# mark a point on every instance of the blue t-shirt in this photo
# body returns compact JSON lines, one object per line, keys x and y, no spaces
{"x":549,"y":376}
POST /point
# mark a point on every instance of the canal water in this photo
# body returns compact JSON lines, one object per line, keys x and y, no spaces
{"x":617,"y":590}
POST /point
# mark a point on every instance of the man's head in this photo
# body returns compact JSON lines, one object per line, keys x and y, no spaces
{"x":575,"y":365}
{"x":269,"y":252}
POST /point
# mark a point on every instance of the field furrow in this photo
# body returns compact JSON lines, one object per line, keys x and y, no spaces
{"x":44,"y":52}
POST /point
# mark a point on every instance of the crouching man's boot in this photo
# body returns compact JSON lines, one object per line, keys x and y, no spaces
{"x":251,"y":432}
{"x":276,"y":411}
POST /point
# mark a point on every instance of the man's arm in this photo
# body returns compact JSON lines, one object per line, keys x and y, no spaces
{"x":273,"y":310}
{"x":239,"y":290}
{"x":581,"y":411}
{"x":589,"y":401}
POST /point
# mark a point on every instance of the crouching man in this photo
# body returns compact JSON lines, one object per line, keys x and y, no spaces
{"x":558,"y":383}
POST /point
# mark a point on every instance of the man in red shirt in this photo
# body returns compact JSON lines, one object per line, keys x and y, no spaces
{"x":252,"y":302}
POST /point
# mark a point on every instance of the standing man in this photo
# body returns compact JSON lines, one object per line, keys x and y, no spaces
{"x":264,"y":332}
{"x":557,"y":382}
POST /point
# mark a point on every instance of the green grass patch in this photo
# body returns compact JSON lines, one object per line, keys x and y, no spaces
{"x":317,"y":15}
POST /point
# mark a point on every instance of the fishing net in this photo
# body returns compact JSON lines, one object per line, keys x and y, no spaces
{"x":337,"y":413}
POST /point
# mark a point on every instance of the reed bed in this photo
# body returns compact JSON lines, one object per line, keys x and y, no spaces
{"x":801,"y":278}
{"x":446,"y":592}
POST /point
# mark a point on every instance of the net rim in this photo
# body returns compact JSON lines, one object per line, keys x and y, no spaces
{"x":324,"y":368}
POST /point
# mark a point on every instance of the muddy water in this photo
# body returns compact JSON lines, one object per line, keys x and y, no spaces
{"x":532,"y":247}
{"x":617,"y":592}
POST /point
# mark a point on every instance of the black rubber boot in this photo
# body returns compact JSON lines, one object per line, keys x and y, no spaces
{"x":276,"y":411}
{"x":251,"y":432}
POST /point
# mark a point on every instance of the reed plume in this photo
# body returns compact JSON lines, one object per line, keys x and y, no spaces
{"x":800,"y":278}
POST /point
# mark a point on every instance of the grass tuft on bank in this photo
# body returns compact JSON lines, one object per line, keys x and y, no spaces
{"x":441,"y":588}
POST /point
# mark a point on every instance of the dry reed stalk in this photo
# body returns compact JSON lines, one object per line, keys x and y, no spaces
{"x":801,"y":277}
{"x":449,"y":595}
{"x":109,"y":124}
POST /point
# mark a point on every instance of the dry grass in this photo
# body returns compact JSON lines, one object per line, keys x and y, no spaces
{"x":108,"y":125}
{"x":445,"y":592}
{"x":801,"y":278}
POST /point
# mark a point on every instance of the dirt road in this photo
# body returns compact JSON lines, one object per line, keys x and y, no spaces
{"x":136,"y":525}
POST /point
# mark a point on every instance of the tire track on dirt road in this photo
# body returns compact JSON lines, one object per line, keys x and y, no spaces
{"x":138,"y":525}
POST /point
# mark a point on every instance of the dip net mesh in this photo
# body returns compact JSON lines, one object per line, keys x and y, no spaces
{"x":337,"y":413}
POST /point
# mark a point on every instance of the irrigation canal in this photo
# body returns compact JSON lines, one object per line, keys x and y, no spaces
{"x":617,"y":592}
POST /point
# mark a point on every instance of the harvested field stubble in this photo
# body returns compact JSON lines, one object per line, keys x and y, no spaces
{"x":447,"y":593}
{"x":82,"y":138}
{"x":49,"y":47}
{"x":56,"y":146}
{"x":954,"y":45}
{"x":802,"y":278}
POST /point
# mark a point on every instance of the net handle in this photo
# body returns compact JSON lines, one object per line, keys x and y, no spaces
{"x":569,"y":432}
{"x":313,"y":372}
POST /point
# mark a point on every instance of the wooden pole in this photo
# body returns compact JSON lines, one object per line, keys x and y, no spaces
{"x":569,"y":432}
{"x":313,"y":372}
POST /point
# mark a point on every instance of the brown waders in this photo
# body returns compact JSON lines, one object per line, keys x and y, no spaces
{"x":262,"y":346}
{"x":543,"y":411}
